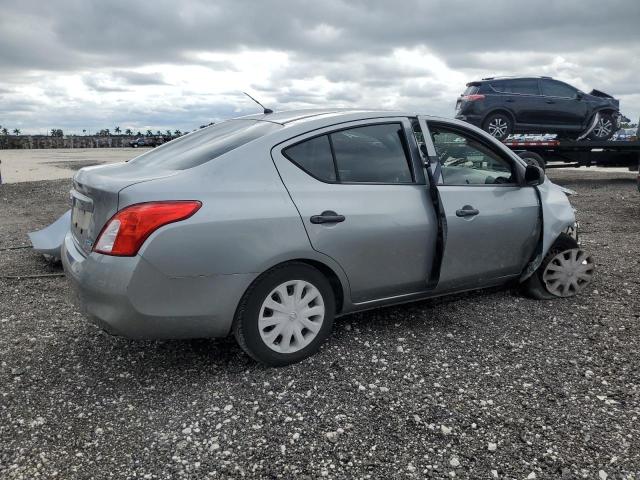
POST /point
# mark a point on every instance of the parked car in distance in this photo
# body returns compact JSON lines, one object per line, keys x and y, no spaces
{"x":147,"y":142}
{"x":626,"y":135}
{"x":502,"y":106}
{"x":269,"y":226}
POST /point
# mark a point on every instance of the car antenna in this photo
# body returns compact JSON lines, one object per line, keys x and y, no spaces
{"x":266,"y":110}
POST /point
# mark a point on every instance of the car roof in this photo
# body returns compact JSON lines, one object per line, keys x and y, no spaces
{"x":289,"y":117}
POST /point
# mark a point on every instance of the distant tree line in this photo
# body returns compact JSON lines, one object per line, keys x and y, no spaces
{"x":106,"y":132}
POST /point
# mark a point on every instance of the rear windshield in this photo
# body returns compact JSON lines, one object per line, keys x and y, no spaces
{"x":205,"y":144}
{"x":471,"y":90}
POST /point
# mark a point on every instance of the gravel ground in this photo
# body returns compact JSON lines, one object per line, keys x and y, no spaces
{"x":481,"y":385}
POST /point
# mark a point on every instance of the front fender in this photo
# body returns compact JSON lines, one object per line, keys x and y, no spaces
{"x":557,"y":217}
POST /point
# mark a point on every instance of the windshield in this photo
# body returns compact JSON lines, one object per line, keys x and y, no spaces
{"x":205,"y":144}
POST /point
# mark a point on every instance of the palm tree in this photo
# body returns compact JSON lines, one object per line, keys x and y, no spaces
{"x":16,"y":131}
{"x":177,"y":133}
{"x":117,"y":130}
{"x":168,"y":133}
{"x":158,"y":132}
{"x":149,"y":133}
{"x":139,"y":134}
{"x":128,"y":131}
{"x":5,"y":131}
{"x":84,"y":130}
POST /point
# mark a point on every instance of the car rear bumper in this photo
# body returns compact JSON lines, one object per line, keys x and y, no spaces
{"x":127,"y":296}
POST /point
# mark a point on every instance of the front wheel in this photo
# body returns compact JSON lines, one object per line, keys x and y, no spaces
{"x":604,"y":129}
{"x":498,"y":125}
{"x":285,"y":315}
{"x":565,"y":271}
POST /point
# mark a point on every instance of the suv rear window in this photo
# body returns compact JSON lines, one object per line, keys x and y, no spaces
{"x":205,"y":144}
{"x":471,"y":90}
{"x":523,"y":87}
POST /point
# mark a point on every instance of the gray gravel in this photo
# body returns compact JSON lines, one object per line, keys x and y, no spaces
{"x":481,"y":385}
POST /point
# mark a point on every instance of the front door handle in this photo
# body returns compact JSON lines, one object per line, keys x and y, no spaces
{"x":550,"y":101}
{"x":328,"y":216}
{"x":510,"y":100}
{"x":467,"y":211}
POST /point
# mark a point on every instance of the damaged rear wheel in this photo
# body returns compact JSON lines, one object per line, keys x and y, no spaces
{"x":564,"y":272}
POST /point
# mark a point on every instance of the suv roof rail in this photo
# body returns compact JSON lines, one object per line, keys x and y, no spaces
{"x":513,"y":77}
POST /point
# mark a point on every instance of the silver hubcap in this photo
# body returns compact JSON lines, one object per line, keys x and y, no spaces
{"x":291,"y":316}
{"x":568,"y":273}
{"x":603,"y":127}
{"x":498,"y":127}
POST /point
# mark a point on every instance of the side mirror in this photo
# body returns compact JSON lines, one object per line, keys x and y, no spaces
{"x":579,"y":96}
{"x":533,"y":176}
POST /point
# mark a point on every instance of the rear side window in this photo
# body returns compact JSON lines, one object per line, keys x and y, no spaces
{"x":314,"y":157}
{"x":551,"y":88}
{"x":370,"y":154}
{"x":522,"y":87}
{"x":205,"y":144}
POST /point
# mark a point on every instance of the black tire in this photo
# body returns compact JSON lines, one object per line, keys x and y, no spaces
{"x":534,"y":286}
{"x":245,"y":326}
{"x":604,"y":129}
{"x":498,"y":125}
{"x":532,"y":158}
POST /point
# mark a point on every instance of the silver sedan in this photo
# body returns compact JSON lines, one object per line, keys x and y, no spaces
{"x":269,"y":226}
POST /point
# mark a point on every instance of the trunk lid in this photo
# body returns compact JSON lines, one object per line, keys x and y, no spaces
{"x":94,"y":197}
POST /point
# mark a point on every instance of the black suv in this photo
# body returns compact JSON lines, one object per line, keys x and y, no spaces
{"x":502,"y":106}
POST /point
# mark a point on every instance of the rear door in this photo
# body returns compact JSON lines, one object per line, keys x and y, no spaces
{"x":361,"y":194}
{"x":492,"y":222}
{"x":522,"y":98}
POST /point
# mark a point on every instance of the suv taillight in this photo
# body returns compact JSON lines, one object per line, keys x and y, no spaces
{"x":127,"y":230}
{"x":473,"y":98}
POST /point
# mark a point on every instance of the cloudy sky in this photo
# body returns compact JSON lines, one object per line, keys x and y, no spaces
{"x":85,"y":64}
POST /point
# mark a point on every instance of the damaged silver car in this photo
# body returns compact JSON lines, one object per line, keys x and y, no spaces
{"x":269,"y":226}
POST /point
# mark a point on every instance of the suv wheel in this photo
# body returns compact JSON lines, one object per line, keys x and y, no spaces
{"x":604,"y":129}
{"x":286,"y":315}
{"x":498,"y":125}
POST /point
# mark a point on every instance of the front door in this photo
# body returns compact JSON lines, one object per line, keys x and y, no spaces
{"x":492,"y":222}
{"x":361,"y":194}
{"x":561,"y":106}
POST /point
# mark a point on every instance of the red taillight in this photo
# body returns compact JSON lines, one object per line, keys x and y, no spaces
{"x":473,"y":98}
{"x":127,"y":230}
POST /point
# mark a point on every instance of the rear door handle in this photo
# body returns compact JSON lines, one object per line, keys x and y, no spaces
{"x":550,"y":101}
{"x":510,"y":100}
{"x":328,"y":216}
{"x":467,"y":211}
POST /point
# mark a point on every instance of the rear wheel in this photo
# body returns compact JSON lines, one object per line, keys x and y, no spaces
{"x":286,"y":315}
{"x":498,"y":125}
{"x":604,"y":129}
{"x":565,"y":271}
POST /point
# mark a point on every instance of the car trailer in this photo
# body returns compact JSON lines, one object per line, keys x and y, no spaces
{"x":568,"y":153}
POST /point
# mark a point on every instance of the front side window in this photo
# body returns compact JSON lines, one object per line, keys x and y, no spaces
{"x":467,"y":161}
{"x":551,"y":88}
{"x":368,"y":154}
